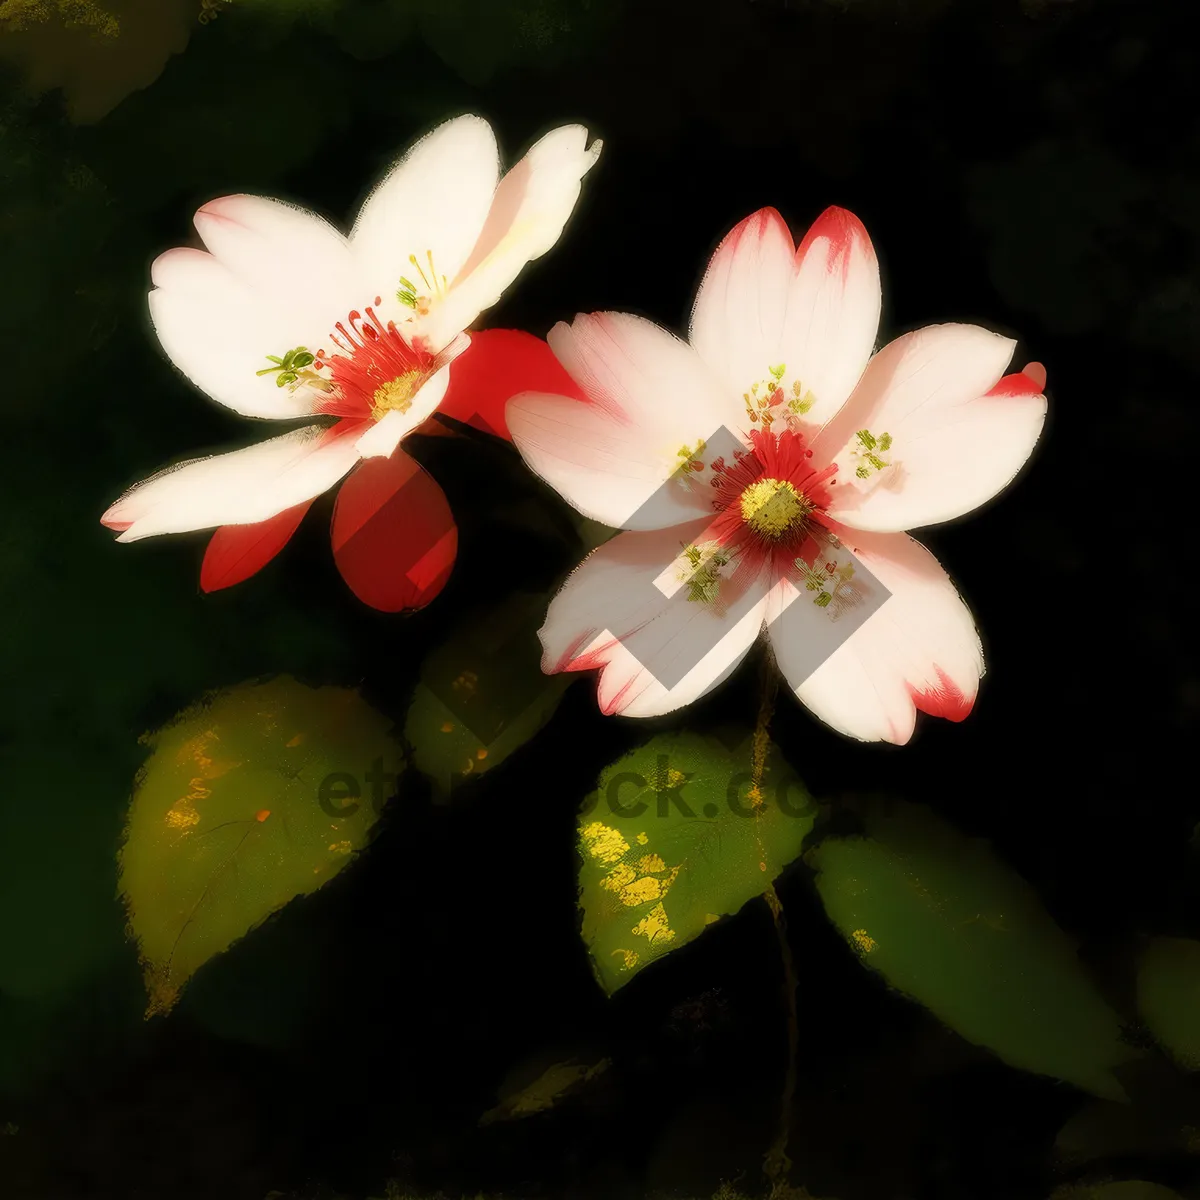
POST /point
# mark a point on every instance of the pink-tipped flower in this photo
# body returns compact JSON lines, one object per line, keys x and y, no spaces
{"x":285,"y":317}
{"x":836,"y":451}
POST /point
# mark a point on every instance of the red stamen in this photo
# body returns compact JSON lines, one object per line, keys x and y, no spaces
{"x":371,"y":355}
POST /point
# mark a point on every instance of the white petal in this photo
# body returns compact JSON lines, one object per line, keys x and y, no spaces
{"x":603,"y":464}
{"x":651,"y":396}
{"x":833,"y":311}
{"x":240,"y":488}
{"x":656,"y":654}
{"x":920,"y":649}
{"x":528,"y":213}
{"x":384,"y":435}
{"x":218,"y":332}
{"x":433,"y":202}
{"x":953,"y":447}
{"x":631,"y":366}
{"x":738,"y":318}
{"x":296,"y":264}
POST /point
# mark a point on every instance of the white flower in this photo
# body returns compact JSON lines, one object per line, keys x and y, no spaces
{"x":286,"y":318}
{"x":798,"y":522}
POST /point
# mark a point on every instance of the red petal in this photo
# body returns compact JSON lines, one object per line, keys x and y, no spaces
{"x":235,"y":552}
{"x":844,"y":230}
{"x":946,"y":701}
{"x":394,"y":537}
{"x":500,"y":364}
{"x":1021,"y":383}
{"x":1037,"y":373}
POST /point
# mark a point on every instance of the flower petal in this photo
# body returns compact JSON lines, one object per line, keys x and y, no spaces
{"x":394,"y":537}
{"x":297,"y":264}
{"x":631,"y":366}
{"x":920,"y":650}
{"x":833,"y":311}
{"x":655,"y":653}
{"x":957,"y":437}
{"x":738,"y":319}
{"x":650,"y":396}
{"x":235,"y":552}
{"x":241,"y":488}
{"x":601,"y":464}
{"x":218,"y":332}
{"x":500,"y":364}
{"x":383,"y":436}
{"x":528,"y":213}
{"x":433,"y":202}
{"x":812,"y":311}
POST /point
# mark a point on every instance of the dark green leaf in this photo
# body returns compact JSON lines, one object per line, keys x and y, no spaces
{"x":948,"y":924}
{"x":1168,"y":997}
{"x":482,"y":693}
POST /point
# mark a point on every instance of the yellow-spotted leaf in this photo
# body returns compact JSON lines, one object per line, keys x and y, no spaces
{"x":1168,"y":997}
{"x":482,"y":694}
{"x":252,"y":797}
{"x":673,"y":839}
{"x":949,"y":925}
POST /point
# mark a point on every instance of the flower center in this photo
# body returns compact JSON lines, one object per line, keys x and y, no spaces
{"x":395,"y":395}
{"x":773,"y":507}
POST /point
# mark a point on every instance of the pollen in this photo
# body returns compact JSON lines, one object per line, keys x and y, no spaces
{"x":773,"y":507}
{"x":395,"y":395}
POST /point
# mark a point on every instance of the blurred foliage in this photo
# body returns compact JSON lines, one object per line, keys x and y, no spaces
{"x":1085,"y":238}
{"x":101,"y":53}
{"x":1168,"y":997}
{"x":554,"y":1084}
{"x":1131,"y":1189}
{"x":98,"y":54}
{"x":672,"y":840}
{"x":1161,"y":1124}
{"x":238,"y":810}
{"x":482,"y":694}
{"x":946,"y":923}
{"x":20,"y":14}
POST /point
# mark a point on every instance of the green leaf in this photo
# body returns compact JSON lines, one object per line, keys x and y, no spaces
{"x":1129,"y":1189}
{"x":670,"y":843}
{"x":1155,"y":1126}
{"x":952,"y":927}
{"x":1168,"y":997}
{"x":236,"y":812}
{"x":482,"y":693}
{"x":554,"y":1084}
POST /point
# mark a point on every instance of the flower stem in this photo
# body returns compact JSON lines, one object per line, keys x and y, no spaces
{"x":777,"y":1164}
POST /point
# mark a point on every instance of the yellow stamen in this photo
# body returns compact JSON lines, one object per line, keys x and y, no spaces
{"x":412,"y":258}
{"x":771,"y":507}
{"x":395,"y":395}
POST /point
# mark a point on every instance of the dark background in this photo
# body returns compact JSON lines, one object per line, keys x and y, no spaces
{"x":1032,"y":166}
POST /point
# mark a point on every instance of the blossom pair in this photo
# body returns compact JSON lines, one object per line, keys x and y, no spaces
{"x":764,"y":473}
